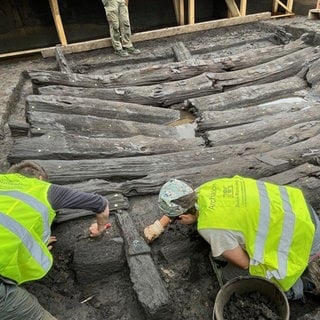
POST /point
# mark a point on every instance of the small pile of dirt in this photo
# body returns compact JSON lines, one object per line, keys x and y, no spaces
{"x":252,"y":305}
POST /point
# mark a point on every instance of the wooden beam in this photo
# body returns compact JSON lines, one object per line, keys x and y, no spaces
{"x":288,"y":7}
{"x":176,"y":10}
{"x":181,"y":12}
{"x":243,"y":7}
{"x":191,"y":12}
{"x":233,"y":8}
{"x":160,"y":33}
{"x":57,"y":21}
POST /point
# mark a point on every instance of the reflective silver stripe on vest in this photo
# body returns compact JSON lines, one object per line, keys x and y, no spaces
{"x":264,"y":225}
{"x":264,"y":222}
{"x":23,"y":234}
{"x":289,"y":220}
{"x":36,"y":205}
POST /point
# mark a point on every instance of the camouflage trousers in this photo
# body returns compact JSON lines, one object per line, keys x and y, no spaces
{"x":17,"y":303}
{"x":119,"y":23}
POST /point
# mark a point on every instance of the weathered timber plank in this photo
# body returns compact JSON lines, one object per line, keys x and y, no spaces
{"x":313,"y":74}
{"x":152,"y":74}
{"x":181,"y":52}
{"x":149,"y":287}
{"x":166,"y":72}
{"x":134,"y":242}
{"x":68,"y":171}
{"x":147,"y":282}
{"x":108,"y":258}
{"x":210,"y":120}
{"x":45,"y":122}
{"x":99,"y":186}
{"x":116,"y":202}
{"x":62,"y":61}
{"x":258,"y":56}
{"x":101,"y":108}
{"x":66,"y":146}
{"x":251,"y":166}
{"x":164,"y":94}
{"x":306,"y":177}
{"x":291,"y":176}
{"x":263,"y":127}
{"x":247,"y":96}
{"x":64,"y":171}
{"x":169,"y":93}
{"x":292,"y":135}
{"x":274,"y":70}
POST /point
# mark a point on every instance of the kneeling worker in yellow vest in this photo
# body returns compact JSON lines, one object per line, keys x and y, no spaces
{"x":255,"y":227}
{"x":27,"y":210}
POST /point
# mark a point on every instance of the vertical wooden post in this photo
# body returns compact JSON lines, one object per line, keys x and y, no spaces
{"x":243,"y":7}
{"x":275,"y":6}
{"x":181,"y":12}
{"x":191,"y":11}
{"x":57,"y":21}
{"x":289,"y":6}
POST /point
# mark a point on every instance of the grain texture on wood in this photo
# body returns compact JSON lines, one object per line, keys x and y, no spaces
{"x":64,"y":146}
{"x":247,"y":95}
{"x":101,"y":108}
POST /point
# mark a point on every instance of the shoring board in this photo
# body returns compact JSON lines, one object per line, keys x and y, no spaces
{"x":156,"y":34}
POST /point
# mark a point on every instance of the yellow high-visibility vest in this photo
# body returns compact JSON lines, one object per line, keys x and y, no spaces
{"x":25,"y":220}
{"x":274,"y":220}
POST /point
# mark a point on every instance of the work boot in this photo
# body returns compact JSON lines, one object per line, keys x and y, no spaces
{"x":132,"y":50}
{"x":121,"y":53}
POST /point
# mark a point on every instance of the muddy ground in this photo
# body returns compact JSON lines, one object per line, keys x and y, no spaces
{"x":73,"y":289}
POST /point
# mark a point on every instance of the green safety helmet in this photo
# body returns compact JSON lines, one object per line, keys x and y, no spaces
{"x":175,"y":198}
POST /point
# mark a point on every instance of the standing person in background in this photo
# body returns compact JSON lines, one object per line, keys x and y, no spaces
{"x":27,"y":209}
{"x":119,"y":23}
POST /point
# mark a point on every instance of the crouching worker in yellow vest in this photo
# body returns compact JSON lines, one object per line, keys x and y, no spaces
{"x":27,"y":210}
{"x":256,"y":227}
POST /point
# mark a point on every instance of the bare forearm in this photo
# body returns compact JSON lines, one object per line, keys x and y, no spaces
{"x":102,"y":218}
{"x":238,"y":257}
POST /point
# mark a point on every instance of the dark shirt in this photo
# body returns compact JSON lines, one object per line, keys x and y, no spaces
{"x":61,"y":197}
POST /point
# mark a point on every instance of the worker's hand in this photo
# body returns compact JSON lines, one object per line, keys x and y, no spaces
{"x":187,"y":218}
{"x":96,"y":230}
{"x":153,"y":231}
{"x":52,"y":239}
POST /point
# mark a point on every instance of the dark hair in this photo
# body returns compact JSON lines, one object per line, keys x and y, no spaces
{"x":29,"y":169}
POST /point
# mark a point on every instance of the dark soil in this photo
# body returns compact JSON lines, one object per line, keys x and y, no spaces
{"x":70,"y":293}
{"x":252,"y":305}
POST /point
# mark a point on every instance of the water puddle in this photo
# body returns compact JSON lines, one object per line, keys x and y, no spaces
{"x":185,"y":126}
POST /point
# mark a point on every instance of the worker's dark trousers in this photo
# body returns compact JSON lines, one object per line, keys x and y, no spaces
{"x":18,"y":304}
